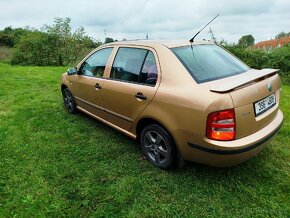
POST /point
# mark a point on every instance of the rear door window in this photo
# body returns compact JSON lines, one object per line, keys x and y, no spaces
{"x":209,"y":62}
{"x":135,"y":65}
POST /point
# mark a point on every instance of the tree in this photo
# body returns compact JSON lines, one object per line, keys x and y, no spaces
{"x":282,"y":34}
{"x":213,"y":38}
{"x":7,"y":37}
{"x":91,"y":42}
{"x":108,"y":40}
{"x":65,"y":41}
{"x":10,"y":36}
{"x":53,"y":45}
{"x":246,"y":41}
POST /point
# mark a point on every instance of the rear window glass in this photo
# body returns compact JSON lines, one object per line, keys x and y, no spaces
{"x":135,"y":65}
{"x":209,"y":62}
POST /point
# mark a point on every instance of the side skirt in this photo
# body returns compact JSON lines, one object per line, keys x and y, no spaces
{"x":108,"y":123}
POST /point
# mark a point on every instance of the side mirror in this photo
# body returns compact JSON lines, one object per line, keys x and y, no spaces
{"x":72,"y":71}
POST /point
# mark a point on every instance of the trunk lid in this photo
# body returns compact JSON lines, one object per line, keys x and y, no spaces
{"x":250,"y":92}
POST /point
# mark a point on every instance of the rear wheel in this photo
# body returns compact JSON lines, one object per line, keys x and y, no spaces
{"x":69,"y":101}
{"x":158,"y":146}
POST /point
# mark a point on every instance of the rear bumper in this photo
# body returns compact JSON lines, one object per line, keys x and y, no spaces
{"x":236,"y":151}
{"x":223,"y":154}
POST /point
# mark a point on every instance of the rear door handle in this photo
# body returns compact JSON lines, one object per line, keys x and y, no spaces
{"x":97,"y":86}
{"x":140,"y":96}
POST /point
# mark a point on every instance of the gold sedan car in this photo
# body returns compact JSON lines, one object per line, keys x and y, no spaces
{"x":180,"y":100}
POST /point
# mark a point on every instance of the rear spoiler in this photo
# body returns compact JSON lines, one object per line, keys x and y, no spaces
{"x":252,"y":76}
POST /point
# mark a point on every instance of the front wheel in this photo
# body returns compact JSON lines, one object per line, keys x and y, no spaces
{"x":158,"y":146}
{"x":69,"y":101}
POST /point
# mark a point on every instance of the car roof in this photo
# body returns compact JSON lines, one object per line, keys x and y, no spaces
{"x":167,"y":43}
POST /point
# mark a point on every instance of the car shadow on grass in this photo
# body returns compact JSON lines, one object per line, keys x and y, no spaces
{"x":256,"y":163}
{"x":253,"y":169}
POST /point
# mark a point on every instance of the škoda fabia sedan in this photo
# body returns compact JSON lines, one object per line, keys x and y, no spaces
{"x":180,"y":100}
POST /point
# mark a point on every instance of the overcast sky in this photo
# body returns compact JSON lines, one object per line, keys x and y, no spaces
{"x":173,"y":19}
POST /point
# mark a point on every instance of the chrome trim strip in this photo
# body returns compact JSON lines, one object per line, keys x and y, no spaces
{"x":105,"y":110}
{"x":108,"y":123}
{"x":93,"y":105}
{"x":119,"y":115}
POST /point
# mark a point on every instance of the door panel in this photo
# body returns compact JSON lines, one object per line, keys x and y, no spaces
{"x":87,"y":85}
{"x":132,"y":85}
{"x":121,"y":104}
{"x":87,"y":95}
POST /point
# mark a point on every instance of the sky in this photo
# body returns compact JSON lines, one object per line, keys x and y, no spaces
{"x":160,"y":19}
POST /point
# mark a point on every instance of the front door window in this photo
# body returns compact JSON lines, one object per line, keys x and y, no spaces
{"x":95,"y":65}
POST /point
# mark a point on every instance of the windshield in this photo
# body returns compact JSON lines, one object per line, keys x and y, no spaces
{"x":209,"y":62}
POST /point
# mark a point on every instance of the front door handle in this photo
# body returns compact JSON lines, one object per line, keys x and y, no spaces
{"x":140,"y":96}
{"x":97,"y":86}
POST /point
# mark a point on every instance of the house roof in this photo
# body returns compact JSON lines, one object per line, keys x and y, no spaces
{"x":273,"y":43}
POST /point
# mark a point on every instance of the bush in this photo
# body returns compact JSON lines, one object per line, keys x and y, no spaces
{"x":258,"y":59}
{"x":10,"y":36}
{"x":55,"y":45}
{"x":281,"y":58}
{"x":34,"y":49}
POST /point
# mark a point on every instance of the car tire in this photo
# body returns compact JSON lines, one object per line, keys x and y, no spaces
{"x":158,"y":146}
{"x":69,"y":101}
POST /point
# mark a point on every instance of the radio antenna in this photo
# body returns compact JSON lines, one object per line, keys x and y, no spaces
{"x":192,"y":39}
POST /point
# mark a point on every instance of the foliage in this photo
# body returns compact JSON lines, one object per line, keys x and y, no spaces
{"x":10,"y":36}
{"x":108,"y":40}
{"x":254,"y":58}
{"x":277,"y":58}
{"x":54,"y":45}
{"x":246,"y":41}
{"x":281,"y":35}
{"x":35,"y":49}
{"x":54,"y":164}
{"x":5,"y":54}
{"x":280,"y":58}
{"x":213,"y":37}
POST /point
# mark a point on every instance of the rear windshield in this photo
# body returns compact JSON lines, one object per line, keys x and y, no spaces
{"x":209,"y":62}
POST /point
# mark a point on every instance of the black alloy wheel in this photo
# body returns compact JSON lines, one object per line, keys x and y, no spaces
{"x":158,"y":146}
{"x":69,"y":101}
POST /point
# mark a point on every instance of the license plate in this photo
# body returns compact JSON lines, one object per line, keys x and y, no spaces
{"x":264,"y":104}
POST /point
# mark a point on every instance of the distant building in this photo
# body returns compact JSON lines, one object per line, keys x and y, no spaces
{"x":273,"y":43}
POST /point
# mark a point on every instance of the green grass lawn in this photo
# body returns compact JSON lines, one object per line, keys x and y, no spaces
{"x":56,"y":164}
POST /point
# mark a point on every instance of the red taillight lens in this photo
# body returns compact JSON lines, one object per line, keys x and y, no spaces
{"x":221,"y":125}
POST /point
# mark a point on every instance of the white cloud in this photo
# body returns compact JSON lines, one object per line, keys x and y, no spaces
{"x":160,"y":18}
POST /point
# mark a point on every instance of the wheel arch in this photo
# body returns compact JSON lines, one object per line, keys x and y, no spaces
{"x":63,"y":86}
{"x":149,"y":120}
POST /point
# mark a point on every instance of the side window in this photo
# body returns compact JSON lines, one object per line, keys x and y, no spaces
{"x":135,"y":65}
{"x":149,"y":71}
{"x":96,"y":63}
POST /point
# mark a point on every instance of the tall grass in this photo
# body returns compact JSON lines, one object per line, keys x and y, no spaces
{"x":5,"y":54}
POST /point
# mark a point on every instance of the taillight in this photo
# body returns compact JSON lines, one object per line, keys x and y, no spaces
{"x":221,"y":125}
